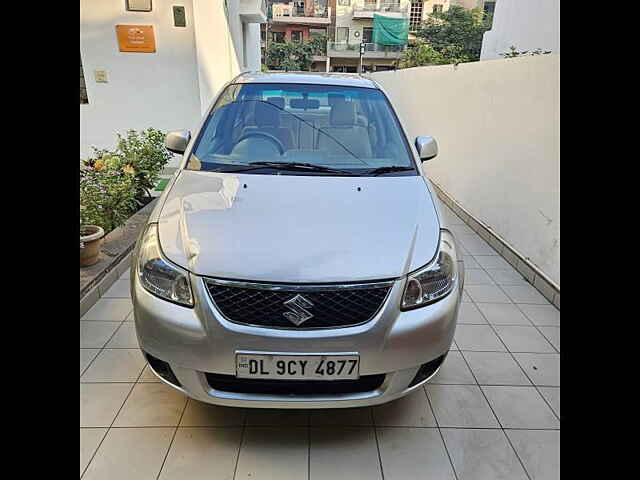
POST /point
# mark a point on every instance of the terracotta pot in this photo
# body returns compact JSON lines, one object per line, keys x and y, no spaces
{"x":91,"y":236}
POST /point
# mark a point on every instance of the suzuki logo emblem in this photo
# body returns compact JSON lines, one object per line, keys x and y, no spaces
{"x":299,"y":313}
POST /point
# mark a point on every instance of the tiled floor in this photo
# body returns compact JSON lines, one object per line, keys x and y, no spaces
{"x":492,"y":412}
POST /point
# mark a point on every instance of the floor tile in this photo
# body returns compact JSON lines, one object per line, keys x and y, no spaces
{"x":342,"y":416}
{"x":413,"y":453}
{"x":520,"y":407}
{"x":486,"y":294}
{"x":125,"y":337}
{"x":523,"y":339}
{"x":496,"y":368}
{"x":115,"y":365}
{"x":109,"y":309}
{"x":465,"y":297}
{"x":475,"y":245}
{"x":90,"y":438}
{"x":269,"y":416}
{"x":504,"y":276}
{"x":478,"y":338}
{"x":343,"y":452}
{"x":200,"y":414}
{"x":468,"y":313}
{"x":542,"y":368}
{"x":412,"y":410}
{"x":470,"y":262}
{"x":454,"y":346}
{"x":130,"y":317}
{"x":130,"y":454}
{"x":541,"y":315}
{"x":552,"y":396}
{"x":86,"y":355}
{"x":96,"y":334}
{"x":460,"y":406}
{"x":492,"y":261}
{"x":524,"y":294}
{"x":119,"y":289}
{"x":454,"y":370}
{"x":100,"y":402}
{"x":202,"y":454}
{"x":539,"y":451}
{"x":152,"y":405}
{"x":148,"y":376}
{"x":461,"y":230}
{"x":552,"y":334}
{"x":126,"y":274}
{"x":503,"y":314}
{"x":482,"y":455}
{"x":272,"y":453}
{"x":474,"y":276}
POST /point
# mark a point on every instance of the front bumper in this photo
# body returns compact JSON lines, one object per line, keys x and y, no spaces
{"x":199,"y":340}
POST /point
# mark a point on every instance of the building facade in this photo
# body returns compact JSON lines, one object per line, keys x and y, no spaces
{"x":168,"y":76}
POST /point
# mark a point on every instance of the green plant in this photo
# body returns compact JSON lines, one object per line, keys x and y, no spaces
{"x":456,"y":34}
{"x":107,"y":195}
{"x":513,"y":52}
{"x":420,"y":54}
{"x":290,"y":56}
{"x":141,"y":154}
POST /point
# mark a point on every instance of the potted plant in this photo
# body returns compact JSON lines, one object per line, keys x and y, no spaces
{"x":91,"y":237}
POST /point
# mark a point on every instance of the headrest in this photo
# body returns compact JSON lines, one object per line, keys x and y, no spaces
{"x":343,"y":113}
{"x":305,"y":104}
{"x":335,"y":98}
{"x":267,"y":115}
{"x":277,"y":101}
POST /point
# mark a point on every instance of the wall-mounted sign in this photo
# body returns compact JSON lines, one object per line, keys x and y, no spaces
{"x":136,"y":38}
{"x":139,"y":5}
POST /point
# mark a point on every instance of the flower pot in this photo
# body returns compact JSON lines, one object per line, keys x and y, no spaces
{"x":91,"y":237}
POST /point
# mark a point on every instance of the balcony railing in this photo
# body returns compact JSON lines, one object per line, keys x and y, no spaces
{"x":371,"y":50}
{"x":366,"y":9}
{"x":290,"y":13}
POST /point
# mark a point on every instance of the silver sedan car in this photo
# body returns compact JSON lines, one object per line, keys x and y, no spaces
{"x":297,"y":258}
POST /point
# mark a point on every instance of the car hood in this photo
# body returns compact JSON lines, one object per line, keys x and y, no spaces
{"x":300,"y":229}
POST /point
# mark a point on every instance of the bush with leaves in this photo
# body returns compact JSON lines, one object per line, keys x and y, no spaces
{"x":143,"y":154}
{"x":421,"y":54}
{"x":513,"y":52}
{"x":290,"y":56}
{"x":107,"y":194}
{"x":456,"y":34}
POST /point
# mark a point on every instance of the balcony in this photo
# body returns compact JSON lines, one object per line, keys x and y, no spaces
{"x":371,"y":50}
{"x":290,"y":13}
{"x":366,"y":9}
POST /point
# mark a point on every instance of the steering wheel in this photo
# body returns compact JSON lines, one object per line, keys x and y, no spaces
{"x":268,"y":136}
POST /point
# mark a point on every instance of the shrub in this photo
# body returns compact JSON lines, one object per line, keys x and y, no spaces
{"x":140,"y":154}
{"x":107,"y":195}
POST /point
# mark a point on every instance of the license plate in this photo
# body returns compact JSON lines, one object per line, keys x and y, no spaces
{"x":298,"y":367}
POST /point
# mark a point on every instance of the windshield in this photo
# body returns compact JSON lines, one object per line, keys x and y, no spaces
{"x":302,"y":129}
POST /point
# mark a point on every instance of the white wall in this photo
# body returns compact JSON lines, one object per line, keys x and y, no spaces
{"x":144,"y":90}
{"x":497,"y":126}
{"x":525,"y":24}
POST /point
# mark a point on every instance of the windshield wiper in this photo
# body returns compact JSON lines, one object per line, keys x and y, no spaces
{"x":389,"y":169}
{"x":300,"y":166}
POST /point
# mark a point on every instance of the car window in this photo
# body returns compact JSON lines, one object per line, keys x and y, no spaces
{"x":347,"y":128}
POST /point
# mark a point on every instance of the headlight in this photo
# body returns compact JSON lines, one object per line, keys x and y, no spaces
{"x":436,"y":280}
{"x":158,"y":275}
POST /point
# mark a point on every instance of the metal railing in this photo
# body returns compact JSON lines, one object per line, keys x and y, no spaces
{"x":380,"y":6}
{"x":284,"y":10}
{"x":368,"y":47}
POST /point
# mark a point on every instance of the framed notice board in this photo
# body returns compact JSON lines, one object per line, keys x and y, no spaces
{"x":136,"y":38}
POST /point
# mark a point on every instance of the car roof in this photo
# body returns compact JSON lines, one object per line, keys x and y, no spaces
{"x":316,"y":78}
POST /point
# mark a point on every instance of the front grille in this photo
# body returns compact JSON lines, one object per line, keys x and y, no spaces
{"x":229,"y":383}
{"x":320,"y":306}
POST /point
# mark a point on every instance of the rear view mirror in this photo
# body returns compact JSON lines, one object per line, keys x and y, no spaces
{"x":177,"y":141}
{"x":305,"y":104}
{"x":427,"y":148}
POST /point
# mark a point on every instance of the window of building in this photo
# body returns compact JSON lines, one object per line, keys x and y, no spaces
{"x":317,"y":32}
{"x":437,"y":9}
{"x":344,"y":3}
{"x":83,"y":85}
{"x":296,"y":36}
{"x":489,"y":7}
{"x":415,"y":15}
{"x":367,"y":34}
{"x":277,"y":37}
{"x":342,"y":34}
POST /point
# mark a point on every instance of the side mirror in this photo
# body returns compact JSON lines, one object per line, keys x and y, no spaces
{"x":177,"y":141}
{"x":427,"y":148}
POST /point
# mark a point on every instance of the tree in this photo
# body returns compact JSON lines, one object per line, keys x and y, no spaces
{"x":456,"y":34}
{"x":421,"y":54}
{"x":289,"y":56}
